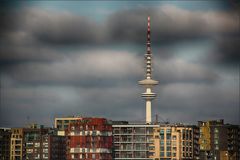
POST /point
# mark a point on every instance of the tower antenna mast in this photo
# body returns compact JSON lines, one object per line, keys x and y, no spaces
{"x":148,"y":82}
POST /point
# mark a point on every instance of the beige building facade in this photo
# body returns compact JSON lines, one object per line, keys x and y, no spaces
{"x":175,"y":142}
{"x":16,"y":144}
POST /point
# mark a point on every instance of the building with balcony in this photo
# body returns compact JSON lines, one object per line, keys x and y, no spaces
{"x":37,"y":142}
{"x":16,"y":144}
{"x":5,"y":136}
{"x":133,"y":141}
{"x":62,"y":123}
{"x":175,"y":142}
{"x":90,"y":138}
{"x":219,"y":141}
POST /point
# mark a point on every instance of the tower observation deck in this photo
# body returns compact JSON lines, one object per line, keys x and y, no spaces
{"x":148,"y":82}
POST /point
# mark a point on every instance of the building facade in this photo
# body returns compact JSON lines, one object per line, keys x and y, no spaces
{"x":5,"y":136}
{"x":175,"y":142}
{"x":16,"y":144}
{"x":37,"y":143}
{"x":133,"y":141}
{"x":219,"y":141}
{"x":90,"y":138}
{"x":44,"y":144}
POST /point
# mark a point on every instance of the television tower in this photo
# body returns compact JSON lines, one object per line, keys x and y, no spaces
{"x":148,"y":82}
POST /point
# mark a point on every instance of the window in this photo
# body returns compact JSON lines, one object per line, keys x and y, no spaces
{"x":174,"y":137}
{"x":168,"y":154}
{"x":168,"y":130}
{"x":168,"y":148}
{"x":168,"y":142}
{"x":168,"y":136}
{"x":161,"y":154}
{"x":29,"y":150}
{"x":162,"y":136}
{"x":45,"y":150}
{"x":37,"y":156}
{"x":45,"y":156}
{"x":162,"y":131}
{"x":174,"y":148}
{"x":29,"y":144}
{"x":45,"y":144}
{"x":162,"y":148}
{"x":37,"y":145}
{"x":162,"y":143}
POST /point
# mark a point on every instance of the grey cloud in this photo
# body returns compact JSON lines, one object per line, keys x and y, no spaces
{"x":171,"y":24}
{"x":109,"y":67}
{"x":104,"y":82}
{"x":226,"y":51}
{"x":11,"y":55}
{"x":52,"y":26}
{"x":33,"y":34}
{"x":200,"y":101}
{"x":176,"y":70}
{"x":174,"y":101}
{"x":97,"y":67}
{"x":43,"y":103}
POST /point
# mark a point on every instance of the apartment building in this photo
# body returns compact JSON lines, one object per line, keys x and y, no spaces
{"x":37,"y":143}
{"x":5,"y":136}
{"x":218,"y":140}
{"x":132,"y":141}
{"x":175,"y":142}
{"x":90,"y":138}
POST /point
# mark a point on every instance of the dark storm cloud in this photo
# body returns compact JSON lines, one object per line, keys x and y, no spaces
{"x":98,"y":68}
{"x":44,"y":81}
{"x":52,"y":26}
{"x":170,"y":24}
{"x":177,"y":70}
{"x":32,"y":33}
{"x":201,"y":101}
{"x":226,"y":51}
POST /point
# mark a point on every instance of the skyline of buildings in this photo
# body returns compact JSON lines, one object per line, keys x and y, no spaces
{"x":57,"y":58}
{"x":101,"y":138}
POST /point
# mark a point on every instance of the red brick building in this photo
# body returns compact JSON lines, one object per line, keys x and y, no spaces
{"x":90,"y":138}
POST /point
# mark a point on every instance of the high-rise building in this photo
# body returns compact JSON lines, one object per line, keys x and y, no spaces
{"x":90,"y":138}
{"x":5,"y":136}
{"x":175,"y":142}
{"x":132,"y":141}
{"x":16,"y":144}
{"x":37,"y":142}
{"x":148,"y":82}
{"x":219,"y":141}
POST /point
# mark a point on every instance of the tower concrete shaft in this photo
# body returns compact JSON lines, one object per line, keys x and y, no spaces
{"x":148,"y":82}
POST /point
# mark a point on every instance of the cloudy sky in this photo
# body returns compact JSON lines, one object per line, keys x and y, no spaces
{"x":60,"y":58}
